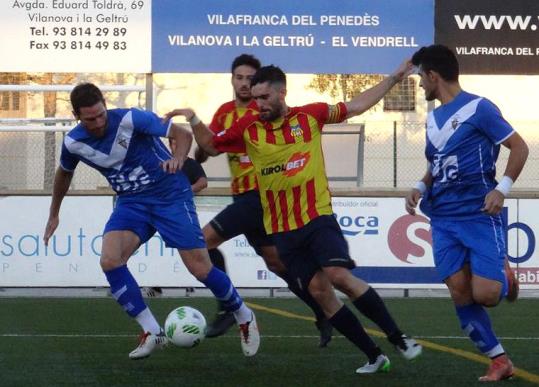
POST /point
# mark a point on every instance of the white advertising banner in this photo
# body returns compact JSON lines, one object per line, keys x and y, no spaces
{"x":72,"y":257}
{"x":391,"y":248}
{"x":76,"y":36}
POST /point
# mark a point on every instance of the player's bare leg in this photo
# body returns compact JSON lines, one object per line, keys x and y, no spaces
{"x":118,"y":246}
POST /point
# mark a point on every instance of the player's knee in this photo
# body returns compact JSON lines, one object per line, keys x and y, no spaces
{"x":108,"y":263}
{"x":213,"y":240}
{"x":319,"y":288}
{"x":488,"y":298}
{"x":461,"y":295}
{"x":199,"y":269}
{"x":275,"y":266}
{"x":338,"y":277}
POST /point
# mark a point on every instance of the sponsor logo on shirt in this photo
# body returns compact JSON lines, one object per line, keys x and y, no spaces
{"x":295,"y":164}
{"x":242,"y":159}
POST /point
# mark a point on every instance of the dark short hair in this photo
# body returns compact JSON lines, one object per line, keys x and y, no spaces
{"x":85,"y":95}
{"x":439,"y":58}
{"x":271,"y":74}
{"x":245,"y":60}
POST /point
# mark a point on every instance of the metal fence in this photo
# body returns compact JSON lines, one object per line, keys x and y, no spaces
{"x":381,"y":154}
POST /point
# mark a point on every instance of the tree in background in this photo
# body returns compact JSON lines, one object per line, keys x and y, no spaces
{"x":344,"y":86}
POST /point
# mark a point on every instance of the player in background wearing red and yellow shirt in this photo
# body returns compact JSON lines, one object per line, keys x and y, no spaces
{"x":284,"y":145}
{"x":245,"y":214}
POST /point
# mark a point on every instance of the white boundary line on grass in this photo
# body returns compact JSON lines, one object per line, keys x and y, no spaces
{"x":44,"y":335}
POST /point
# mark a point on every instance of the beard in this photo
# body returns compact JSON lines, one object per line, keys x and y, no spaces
{"x":244,"y":98}
{"x":271,"y":115}
{"x":431,"y":96}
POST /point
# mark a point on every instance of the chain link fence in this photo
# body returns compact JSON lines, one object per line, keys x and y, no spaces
{"x":380,"y":154}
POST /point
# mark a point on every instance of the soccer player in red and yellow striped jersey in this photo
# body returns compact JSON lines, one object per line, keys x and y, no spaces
{"x":289,"y":163}
{"x":242,"y":172}
{"x":245,"y":214}
{"x":284,"y":145}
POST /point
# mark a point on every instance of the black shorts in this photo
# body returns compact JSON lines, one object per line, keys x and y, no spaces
{"x":243,"y":216}
{"x":318,"y":244}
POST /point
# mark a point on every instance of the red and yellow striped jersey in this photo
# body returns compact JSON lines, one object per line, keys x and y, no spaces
{"x":242,"y":172}
{"x":289,"y":163}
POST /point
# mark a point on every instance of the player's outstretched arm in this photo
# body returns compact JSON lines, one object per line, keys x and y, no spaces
{"x":370,"y":97}
{"x":203,"y":135}
{"x":62,"y":181}
{"x":413,"y":196}
{"x":518,"y":154}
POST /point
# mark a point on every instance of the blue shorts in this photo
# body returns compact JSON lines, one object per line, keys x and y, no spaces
{"x":320,"y":243}
{"x":479,"y":242}
{"x":175,"y":219}
{"x":244,"y":216}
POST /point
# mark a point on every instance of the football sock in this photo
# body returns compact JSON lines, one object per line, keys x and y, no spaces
{"x":126,"y":292}
{"x":304,"y":295}
{"x":348,"y":324}
{"x":148,"y":322}
{"x":243,"y":314}
{"x":218,"y":260}
{"x":222,"y":288}
{"x":372,"y":306}
{"x":475,"y":322}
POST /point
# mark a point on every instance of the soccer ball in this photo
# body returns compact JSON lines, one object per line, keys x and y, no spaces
{"x":185,"y":327}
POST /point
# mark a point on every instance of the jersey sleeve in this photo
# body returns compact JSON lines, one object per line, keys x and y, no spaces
{"x":232,"y":140}
{"x":216,"y":125}
{"x":492,"y":123}
{"x":325,"y":113}
{"x":149,"y":123}
{"x":68,"y":161}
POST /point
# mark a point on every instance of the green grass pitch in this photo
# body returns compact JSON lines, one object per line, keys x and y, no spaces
{"x":85,"y":342}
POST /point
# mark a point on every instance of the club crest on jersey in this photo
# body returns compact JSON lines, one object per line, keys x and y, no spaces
{"x":123,"y":142}
{"x":455,"y":123}
{"x":295,"y":164}
{"x":296,"y":131}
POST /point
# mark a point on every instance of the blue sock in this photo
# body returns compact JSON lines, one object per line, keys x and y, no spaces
{"x":222,"y":288}
{"x":475,"y":322}
{"x":125,"y":290}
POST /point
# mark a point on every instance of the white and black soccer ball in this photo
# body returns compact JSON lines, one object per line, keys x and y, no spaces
{"x":185,"y":327}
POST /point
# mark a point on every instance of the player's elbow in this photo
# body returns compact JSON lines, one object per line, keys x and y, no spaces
{"x":355,"y":109}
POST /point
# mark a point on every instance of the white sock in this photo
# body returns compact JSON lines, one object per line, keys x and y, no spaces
{"x":148,"y":322}
{"x":243,"y":314}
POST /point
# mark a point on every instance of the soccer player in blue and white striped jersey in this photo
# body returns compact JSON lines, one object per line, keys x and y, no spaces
{"x":153,"y":195}
{"x":464,"y":201}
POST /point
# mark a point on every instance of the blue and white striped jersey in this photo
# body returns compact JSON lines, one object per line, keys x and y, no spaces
{"x":462,"y":146}
{"x":130,"y":153}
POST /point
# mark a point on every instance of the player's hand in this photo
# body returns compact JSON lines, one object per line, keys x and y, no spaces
{"x":412,"y":198}
{"x":187,"y":113}
{"x":493,"y":204}
{"x":50,"y":228}
{"x":200,"y":155}
{"x":172,"y":165}
{"x":405,"y":68}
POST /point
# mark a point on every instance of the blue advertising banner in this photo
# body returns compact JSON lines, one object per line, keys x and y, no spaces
{"x":317,"y":36}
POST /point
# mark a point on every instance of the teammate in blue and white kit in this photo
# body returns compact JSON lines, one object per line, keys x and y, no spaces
{"x":463,"y":200}
{"x":153,"y":195}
